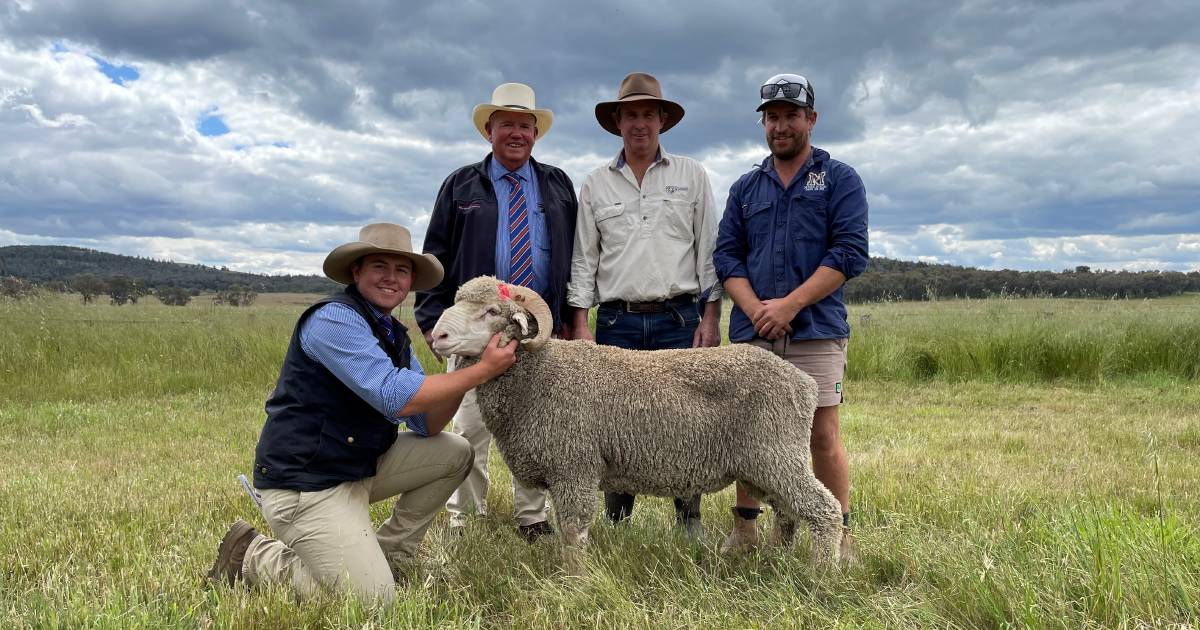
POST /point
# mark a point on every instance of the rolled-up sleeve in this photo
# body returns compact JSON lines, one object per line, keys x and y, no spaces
{"x":704,"y":224}
{"x":341,"y":340}
{"x":729,"y":255}
{"x":848,"y":210}
{"x":581,"y":293}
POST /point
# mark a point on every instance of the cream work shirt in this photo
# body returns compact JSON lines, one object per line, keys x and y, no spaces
{"x":644,"y":243}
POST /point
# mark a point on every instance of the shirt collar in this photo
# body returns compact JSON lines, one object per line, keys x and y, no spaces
{"x":619,"y":162}
{"x":496,"y":170}
{"x":814,"y":156}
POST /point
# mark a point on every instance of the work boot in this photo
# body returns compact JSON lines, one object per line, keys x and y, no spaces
{"x":534,"y":531}
{"x":743,"y":538}
{"x":227,"y":567}
{"x":691,"y":528}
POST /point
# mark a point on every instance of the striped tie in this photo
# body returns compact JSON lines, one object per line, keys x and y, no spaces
{"x":520,"y":262}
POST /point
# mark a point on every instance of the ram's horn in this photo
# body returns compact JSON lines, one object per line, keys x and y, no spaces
{"x":532,"y":302}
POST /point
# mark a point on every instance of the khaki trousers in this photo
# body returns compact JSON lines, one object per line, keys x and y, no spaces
{"x":529,"y":504}
{"x":326,"y":539}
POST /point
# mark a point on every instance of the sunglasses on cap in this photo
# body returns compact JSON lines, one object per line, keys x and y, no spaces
{"x":789,"y":90}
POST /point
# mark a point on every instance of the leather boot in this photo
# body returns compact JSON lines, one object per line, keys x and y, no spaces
{"x":227,"y":567}
{"x":743,"y":538}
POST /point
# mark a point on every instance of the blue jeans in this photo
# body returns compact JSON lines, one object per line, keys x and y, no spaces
{"x":674,"y":327}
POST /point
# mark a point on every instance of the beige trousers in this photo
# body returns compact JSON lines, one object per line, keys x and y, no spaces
{"x":529,"y":504}
{"x":326,"y":539}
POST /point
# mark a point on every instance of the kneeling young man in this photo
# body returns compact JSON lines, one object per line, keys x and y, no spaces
{"x":331,"y":445}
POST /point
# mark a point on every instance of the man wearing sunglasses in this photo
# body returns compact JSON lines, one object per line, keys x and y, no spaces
{"x":794,"y":231}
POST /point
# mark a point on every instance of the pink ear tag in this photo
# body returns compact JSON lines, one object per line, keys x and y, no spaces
{"x":504,"y":292}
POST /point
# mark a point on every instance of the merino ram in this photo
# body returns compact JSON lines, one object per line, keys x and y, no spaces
{"x":573,"y":416}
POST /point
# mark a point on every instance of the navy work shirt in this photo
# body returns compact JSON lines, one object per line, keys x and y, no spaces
{"x":776,"y":235}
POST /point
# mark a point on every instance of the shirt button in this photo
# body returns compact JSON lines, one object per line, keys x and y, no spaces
{"x":350,"y":440}
{"x":263,"y":470}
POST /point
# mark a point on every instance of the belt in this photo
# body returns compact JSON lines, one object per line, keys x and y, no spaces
{"x":650,"y":307}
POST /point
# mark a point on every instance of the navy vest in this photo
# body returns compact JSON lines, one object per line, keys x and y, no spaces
{"x":319,"y":433}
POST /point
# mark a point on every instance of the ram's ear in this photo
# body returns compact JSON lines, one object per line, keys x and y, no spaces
{"x":521,"y":319}
{"x":536,"y":307}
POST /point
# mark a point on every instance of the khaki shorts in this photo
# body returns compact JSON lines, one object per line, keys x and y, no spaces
{"x":822,"y":359}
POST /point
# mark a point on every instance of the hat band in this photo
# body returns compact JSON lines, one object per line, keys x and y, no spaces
{"x":515,"y":106}
{"x":641,"y":94}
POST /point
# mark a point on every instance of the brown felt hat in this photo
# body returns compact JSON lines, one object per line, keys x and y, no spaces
{"x":637,"y":86}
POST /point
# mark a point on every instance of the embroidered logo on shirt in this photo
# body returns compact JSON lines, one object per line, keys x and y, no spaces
{"x":816,"y":181}
{"x":467,"y":206}
{"x":671,"y":190}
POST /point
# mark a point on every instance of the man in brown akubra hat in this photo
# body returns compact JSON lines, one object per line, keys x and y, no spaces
{"x":643,"y":248}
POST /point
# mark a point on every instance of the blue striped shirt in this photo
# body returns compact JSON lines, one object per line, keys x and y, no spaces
{"x":339,"y":338}
{"x":539,"y":240}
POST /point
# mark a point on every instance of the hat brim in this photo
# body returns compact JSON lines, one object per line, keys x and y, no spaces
{"x":793,"y":101}
{"x":481,"y":114}
{"x":427,"y":269}
{"x":604,"y":113}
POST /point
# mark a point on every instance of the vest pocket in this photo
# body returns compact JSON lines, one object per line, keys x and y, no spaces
{"x":346,"y":449}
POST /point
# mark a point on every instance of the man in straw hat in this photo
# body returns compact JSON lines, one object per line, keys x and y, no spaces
{"x":643,"y":247}
{"x":511,"y":217}
{"x":331,"y":446}
{"x":794,"y":231}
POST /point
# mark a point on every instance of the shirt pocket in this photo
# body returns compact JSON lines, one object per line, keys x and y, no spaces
{"x":677,"y":219}
{"x":613,"y":224}
{"x":809,"y":221}
{"x":757,"y":221}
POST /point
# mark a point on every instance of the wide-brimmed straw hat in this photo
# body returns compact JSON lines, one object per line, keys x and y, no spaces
{"x":383,"y":238}
{"x":637,"y":86}
{"x":512,"y":97}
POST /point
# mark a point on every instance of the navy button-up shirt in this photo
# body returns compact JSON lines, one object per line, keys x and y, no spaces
{"x":776,"y":235}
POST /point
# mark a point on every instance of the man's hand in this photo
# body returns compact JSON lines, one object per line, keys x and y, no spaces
{"x":496,"y":359}
{"x":582,"y":333}
{"x":429,"y":342}
{"x":579,"y":325}
{"x":773,"y":320}
{"x":708,"y":333}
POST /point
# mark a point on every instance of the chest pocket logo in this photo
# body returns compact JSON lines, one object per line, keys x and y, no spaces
{"x":816,"y":181}
{"x":469,"y":206}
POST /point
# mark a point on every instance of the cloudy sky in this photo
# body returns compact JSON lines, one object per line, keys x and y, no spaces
{"x":258,"y":135}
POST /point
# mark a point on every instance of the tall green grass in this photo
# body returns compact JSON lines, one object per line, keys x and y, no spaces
{"x":1087,"y":341}
{"x":72,"y":351}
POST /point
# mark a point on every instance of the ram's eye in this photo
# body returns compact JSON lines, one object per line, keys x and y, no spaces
{"x":493,"y":311}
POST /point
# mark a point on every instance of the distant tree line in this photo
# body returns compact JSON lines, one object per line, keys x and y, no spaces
{"x":897,"y":280}
{"x":125,"y":279}
{"x":45,"y":265}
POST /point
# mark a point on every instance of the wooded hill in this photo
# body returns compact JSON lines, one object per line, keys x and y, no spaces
{"x":885,"y":279}
{"x":44,"y":264}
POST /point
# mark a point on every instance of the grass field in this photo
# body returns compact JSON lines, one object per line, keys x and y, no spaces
{"x":1023,"y":463}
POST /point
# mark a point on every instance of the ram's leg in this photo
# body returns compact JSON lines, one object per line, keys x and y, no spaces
{"x":574,"y":505}
{"x":783,"y":530}
{"x":807,"y":499}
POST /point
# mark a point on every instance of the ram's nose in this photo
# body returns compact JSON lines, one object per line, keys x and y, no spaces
{"x":440,"y":340}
